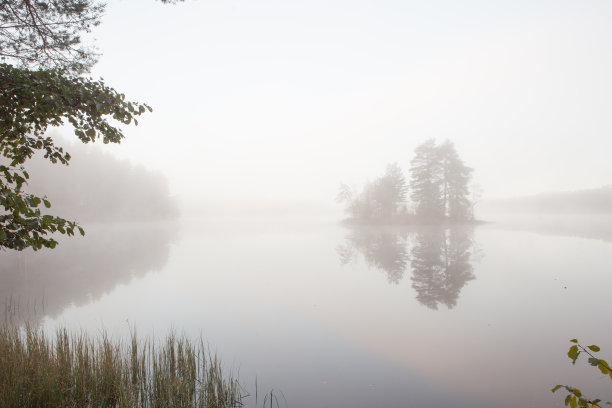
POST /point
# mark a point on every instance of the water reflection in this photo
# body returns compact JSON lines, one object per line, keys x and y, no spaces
{"x":81,"y":269}
{"x":438,"y":259}
{"x":382,"y":249}
{"x":441,"y":265}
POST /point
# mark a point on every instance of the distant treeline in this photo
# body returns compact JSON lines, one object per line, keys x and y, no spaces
{"x":96,"y":187}
{"x":588,"y":201}
{"x":438,"y":190}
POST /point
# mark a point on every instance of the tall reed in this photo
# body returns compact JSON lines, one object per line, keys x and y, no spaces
{"x":77,"y":370}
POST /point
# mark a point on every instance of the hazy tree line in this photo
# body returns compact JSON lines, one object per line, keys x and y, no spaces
{"x":437,"y":190}
{"x":99,"y":188}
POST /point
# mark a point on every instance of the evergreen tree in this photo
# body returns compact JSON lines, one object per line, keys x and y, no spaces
{"x":426,"y":181}
{"x":455,"y":180}
{"x":439,"y":182}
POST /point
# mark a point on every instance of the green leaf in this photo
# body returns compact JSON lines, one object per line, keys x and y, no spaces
{"x":594,"y":348}
{"x":567,"y":399}
{"x":557,"y":387}
{"x":573,"y":354}
{"x":46,"y":203}
{"x":603,"y":367}
{"x":573,"y":403}
{"x":574,"y":340}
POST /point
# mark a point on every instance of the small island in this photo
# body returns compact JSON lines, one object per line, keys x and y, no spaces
{"x":438,"y":191}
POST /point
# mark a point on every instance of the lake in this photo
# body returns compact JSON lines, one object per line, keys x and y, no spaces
{"x":335,"y":316}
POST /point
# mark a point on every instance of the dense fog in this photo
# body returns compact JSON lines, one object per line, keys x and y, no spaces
{"x":275,"y":104}
{"x":356,"y":203}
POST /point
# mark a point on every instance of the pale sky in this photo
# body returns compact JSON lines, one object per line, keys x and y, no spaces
{"x":286,"y":99}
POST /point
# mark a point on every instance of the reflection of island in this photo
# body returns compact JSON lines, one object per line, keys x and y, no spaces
{"x":441,"y":265}
{"x":81,"y":269}
{"x":439,"y":258}
{"x":382,"y":248}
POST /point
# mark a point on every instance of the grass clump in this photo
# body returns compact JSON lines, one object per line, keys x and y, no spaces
{"x":75,"y":370}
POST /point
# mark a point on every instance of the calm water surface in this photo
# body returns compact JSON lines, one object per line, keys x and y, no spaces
{"x":332,"y":316}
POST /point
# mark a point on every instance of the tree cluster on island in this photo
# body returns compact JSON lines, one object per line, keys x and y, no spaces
{"x":437,"y":191}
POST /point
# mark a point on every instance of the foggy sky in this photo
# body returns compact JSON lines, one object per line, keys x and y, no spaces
{"x":285,"y":99}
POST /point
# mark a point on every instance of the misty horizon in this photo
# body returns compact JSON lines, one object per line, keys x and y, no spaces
{"x":353,"y":204}
{"x":287,"y":101}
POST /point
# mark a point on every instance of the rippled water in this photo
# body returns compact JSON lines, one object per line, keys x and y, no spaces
{"x":334,"y":316}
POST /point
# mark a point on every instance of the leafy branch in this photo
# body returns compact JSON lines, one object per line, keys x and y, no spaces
{"x":30,"y":103}
{"x":574,"y":397}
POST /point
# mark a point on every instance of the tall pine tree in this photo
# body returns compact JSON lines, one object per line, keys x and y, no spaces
{"x":439,"y":183}
{"x":426,"y":181}
{"x":455,"y":184}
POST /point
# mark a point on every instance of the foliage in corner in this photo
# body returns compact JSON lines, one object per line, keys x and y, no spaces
{"x":30,"y":102}
{"x":574,"y":397}
{"x":42,"y":55}
{"x":47,"y":33}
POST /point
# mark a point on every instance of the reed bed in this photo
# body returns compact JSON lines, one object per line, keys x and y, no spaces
{"x":76,"y":370}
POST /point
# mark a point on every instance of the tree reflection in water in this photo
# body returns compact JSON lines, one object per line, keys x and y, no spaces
{"x":81,"y":269}
{"x":381,"y":248}
{"x":441,"y":265}
{"x":129,"y":218}
{"x":439,"y":259}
